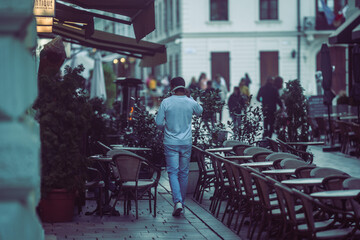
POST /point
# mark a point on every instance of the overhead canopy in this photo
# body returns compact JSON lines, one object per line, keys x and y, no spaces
{"x":343,"y":34}
{"x":140,"y":12}
{"x":152,"y":54}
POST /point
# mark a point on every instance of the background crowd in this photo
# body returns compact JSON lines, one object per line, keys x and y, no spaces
{"x":236,"y":101}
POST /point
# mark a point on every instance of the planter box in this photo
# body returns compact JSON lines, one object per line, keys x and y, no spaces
{"x":57,"y":206}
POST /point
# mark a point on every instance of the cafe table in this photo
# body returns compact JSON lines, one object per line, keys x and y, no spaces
{"x":222,"y":149}
{"x":305,"y":143}
{"x":280,"y":172}
{"x":244,"y":158}
{"x":258,"y":164}
{"x":101,"y":158}
{"x":121,"y":147}
{"x":305,"y":183}
{"x":349,"y":117}
{"x":104,"y":167}
{"x":342,"y":195}
{"x":337,"y":194}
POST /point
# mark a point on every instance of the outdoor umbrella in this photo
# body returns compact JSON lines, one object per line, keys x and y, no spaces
{"x":326,"y":70}
{"x":355,"y":91}
{"x":97,"y":88}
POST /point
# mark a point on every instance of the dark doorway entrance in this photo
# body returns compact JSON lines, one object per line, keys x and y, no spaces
{"x":220,"y":64}
{"x":337,"y":56}
{"x":269,"y":65}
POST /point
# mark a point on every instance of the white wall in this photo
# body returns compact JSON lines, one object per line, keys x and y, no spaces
{"x":243,"y":36}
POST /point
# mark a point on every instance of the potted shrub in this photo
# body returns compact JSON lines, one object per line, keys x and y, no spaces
{"x":62,"y":112}
{"x":294,"y":127}
{"x":249,"y":129}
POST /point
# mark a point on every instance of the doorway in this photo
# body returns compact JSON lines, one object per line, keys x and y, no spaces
{"x":269,"y":65}
{"x":220,"y":64}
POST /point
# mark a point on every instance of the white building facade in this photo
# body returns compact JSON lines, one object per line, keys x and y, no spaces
{"x":233,"y":37}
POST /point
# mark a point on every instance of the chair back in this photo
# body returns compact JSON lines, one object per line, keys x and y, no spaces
{"x":351,"y":183}
{"x":304,"y":171}
{"x":280,"y":155}
{"x":231,"y":143}
{"x":237,"y":177}
{"x":325,"y":172}
{"x":198,"y":155}
{"x":239,"y":149}
{"x":128,"y":165}
{"x":274,"y":145}
{"x":334,"y":182}
{"x":308,"y":207}
{"x":246,"y":179}
{"x":260,"y":156}
{"x":250,"y":151}
{"x":287,"y":203}
{"x":292,"y":163}
{"x":217,"y":164}
{"x":263,"y":189}
{"x":306,"y":156}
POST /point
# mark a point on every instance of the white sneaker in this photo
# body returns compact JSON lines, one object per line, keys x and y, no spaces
{"x":177,"y":209}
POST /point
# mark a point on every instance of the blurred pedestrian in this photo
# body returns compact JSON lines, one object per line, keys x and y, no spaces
{"x":174,"y":116}
{"x":278,"y":84}
{"x":209,"y":116}
{"x":268,"y":95}
{"x":202,"y":81}
{"x":235,"y":106}
{"x":221,"y":86}
{"x":244,"y":90}
{"x":153,"y":91}
{"x":247,"y":79}
{"x":193,"y":84}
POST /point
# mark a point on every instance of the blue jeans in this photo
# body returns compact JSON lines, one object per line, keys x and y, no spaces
{"x":177,"y":165}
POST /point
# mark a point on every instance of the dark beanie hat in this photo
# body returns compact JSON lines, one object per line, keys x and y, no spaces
{"x":177,"y":82}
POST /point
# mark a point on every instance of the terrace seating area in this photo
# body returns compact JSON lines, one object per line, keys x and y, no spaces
{"x":278,"y":192}
{"x":258,"y":194}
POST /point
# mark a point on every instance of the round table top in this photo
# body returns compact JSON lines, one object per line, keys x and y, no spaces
{"x":120,"y":147}
{"x":287,"y":171}
{"x":245,"y":157}
{"x":258,"y":164}
{"x":351,"y":193}
{"x":303,"y":181}
{"x":222,"y":149}
{"x":306,"y":143}
{"x":101,"y":158}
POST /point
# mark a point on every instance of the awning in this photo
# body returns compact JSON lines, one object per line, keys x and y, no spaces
{"x":152,"y":54}
{"x":343,"y":34}
{"x":356,"y":34}
{"x":140,"y":12}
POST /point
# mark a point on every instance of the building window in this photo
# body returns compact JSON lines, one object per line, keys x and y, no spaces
{"x":268,"y":9}
{"x":219,"y":10}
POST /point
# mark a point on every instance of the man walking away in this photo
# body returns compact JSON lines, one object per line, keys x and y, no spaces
{"x":174,"y":116}
{"x":269,"y":96}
